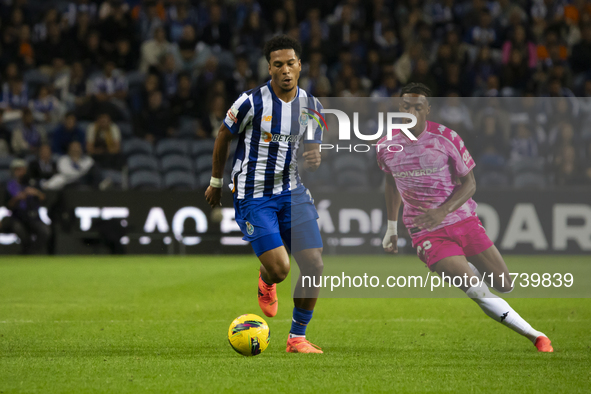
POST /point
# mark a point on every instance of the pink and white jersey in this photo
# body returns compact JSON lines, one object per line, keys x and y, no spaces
{"x":426,"y":172}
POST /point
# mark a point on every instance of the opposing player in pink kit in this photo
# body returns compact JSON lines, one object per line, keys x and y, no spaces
{"x":433,"y":177}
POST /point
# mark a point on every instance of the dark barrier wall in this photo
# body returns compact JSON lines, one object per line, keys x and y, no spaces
{"x":173,"y":222}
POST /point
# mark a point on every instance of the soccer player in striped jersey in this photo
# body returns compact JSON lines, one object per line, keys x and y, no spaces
{"x":433,"y":177}
{"x":274,"y":210}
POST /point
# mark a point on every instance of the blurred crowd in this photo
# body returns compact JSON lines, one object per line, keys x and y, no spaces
{"x":81,"y":80}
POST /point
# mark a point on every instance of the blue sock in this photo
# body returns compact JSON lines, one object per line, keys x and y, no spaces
{"x":301,"y":318}
{"x":264,"y":281}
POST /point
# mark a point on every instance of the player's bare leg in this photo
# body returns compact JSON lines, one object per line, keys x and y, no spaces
{"x":491,"y":261}
{"x":494,"y":306}
{"x":310,"y":264}
{"x":274,"y":269}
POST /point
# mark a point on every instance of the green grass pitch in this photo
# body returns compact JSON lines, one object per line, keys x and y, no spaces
{"x":159,"y":325}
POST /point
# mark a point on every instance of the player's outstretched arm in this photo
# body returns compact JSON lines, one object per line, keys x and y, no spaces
{"x":433,"y":217}
{"x":393,"y":202}
{"x":312,"y":157}
{"x":221,"y":151}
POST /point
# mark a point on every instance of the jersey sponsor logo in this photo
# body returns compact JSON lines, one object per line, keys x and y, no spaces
{"x":249,"y":228}
{"x":421,"y":172}
{"x":267,"y":118}
{"x":232,"y":114}
{"x":268,"y":137}
{"x":453,"y":135}
{"x":466,"y":157}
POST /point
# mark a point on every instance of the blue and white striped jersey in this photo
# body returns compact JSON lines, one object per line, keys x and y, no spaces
{"x":270,"y":130}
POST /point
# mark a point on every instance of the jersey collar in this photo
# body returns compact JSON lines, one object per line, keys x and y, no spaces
{"x":277,"y":98}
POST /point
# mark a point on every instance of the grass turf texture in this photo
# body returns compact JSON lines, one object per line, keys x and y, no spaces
{"x":159,"y":324}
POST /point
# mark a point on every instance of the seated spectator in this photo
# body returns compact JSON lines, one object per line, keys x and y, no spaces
{"x":67,"y":132}
{"x":168,"y":74}
{"x":5,"y":136}
{"x":184,"y":102}
{"x":519,"y":41}
{"x":190,"y":56}
{"x":14,"y":94}
{"x":152,"y":50}
{"x":524,"y":144}
{"x":71,"y":86}
{"x":214,"y":117}
{"x":139,"y":98}
{"x":107,"y":93}
{"x":156,"y":121}
{"x":565,"y":168}
{"x":46,"y":107}
{"x":28,"y":137}
{"x":75,"y":168}
{"x":123,"y":56}
{"x":103,"y":141}
{"x":24,"y":201}
{"x":43,"y":167}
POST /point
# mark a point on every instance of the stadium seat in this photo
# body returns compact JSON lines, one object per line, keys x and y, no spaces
{"x":176,"y":163}
{"x":349,"y":162}
{"x":493,"y":178}
{"x":142,"y":162}
{"x":145,"y":180}
{"x":126,"y":130}
{"x":115,"y":176}
{"x":204,"y":178}
{"x":171,"y":146}
{"x":203,"y":163}
{"x":179,"y":180}
{"x":352,"y":180}
{"x":202,"y":147}
{"x":4,"y":176}
{"x":136,"y":146}
{"x":529,"y":180}
{"x":5,"y":162}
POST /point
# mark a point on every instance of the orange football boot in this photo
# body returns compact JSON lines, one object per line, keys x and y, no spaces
{"x":268,"y":298}
{"x":301,"y":345}
{"x":544,"y":345}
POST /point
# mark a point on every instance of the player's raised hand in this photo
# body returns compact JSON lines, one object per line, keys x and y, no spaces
{"x":430,"y":218}
{"x":390,"y":242}
{"x":312,"y":160}
{"x":213,"y":195}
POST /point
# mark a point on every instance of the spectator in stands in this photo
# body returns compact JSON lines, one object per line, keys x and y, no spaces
{"x":214,"y":117}
{"x":139,"y":98}
{"x":46,"y":107}
{"x":217,"y":33}
{"x":565,"y":168}
{"x":103,"y":141}
{"x":150,"y":17}
{"x":184,"y":102}
{"x":26,"y":52}
{"x":75,"y":8}
{"x":116,"y":24}
{"x":67,"y":132}
{"x":5,"y":136}
{"x":71,"y":86}
{"x":581,"y":53}
{"x":108,"y":92}
{"x":123,"y":56}
{"x":24,"y":201}
{"x":153,"y":50}
{"x":519,"y":41}
{"x":168,"y":75}
{"x":90,"y":52}
{"x":156,"y":121}
{"x":484,"y":34}
{"x":180,"y":16}
{"x":190,"y":55}
{"x":28,"y":137}
{"x":14,"y":94}
{"x":524,"y":144}
{"x":75,"y":169}
{"x":43,"y":167}
{"x":54,"y":46}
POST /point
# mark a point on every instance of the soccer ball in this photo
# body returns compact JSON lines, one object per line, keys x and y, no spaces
{"x":249,"y":335}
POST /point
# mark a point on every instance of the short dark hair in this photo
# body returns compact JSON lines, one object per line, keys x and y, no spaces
{"x":416,"y":88}
{"x":278,"y":43}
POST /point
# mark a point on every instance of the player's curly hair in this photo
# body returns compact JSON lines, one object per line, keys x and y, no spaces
{"x":416,"y":88}
{"x":278,"y":43}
